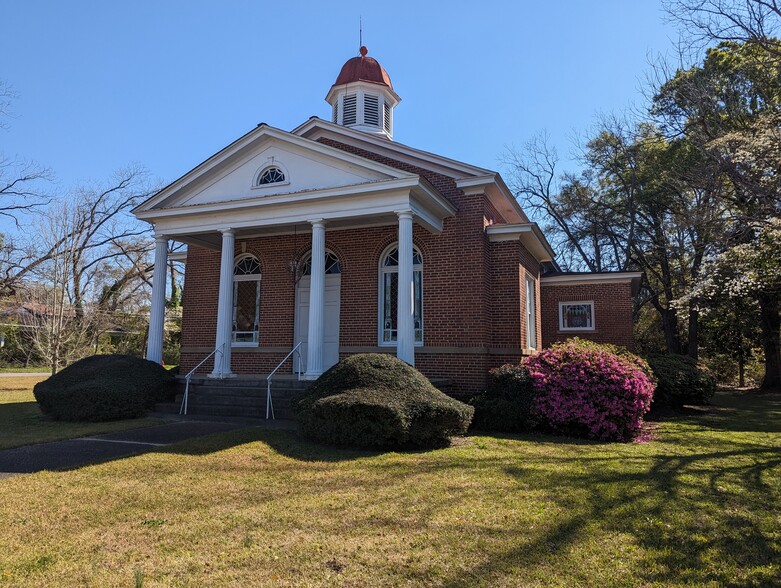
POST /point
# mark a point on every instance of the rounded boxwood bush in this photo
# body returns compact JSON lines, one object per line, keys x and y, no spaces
{"x":507,"y":404}
{"x":103,"y":388}
{"x":377,"y":400}
{"x":590,"y":390}
{"x":679,"y":381}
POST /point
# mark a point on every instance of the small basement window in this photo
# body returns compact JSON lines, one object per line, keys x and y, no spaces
{"x":576,"y":316}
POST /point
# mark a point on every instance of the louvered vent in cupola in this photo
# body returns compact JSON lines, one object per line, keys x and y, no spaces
{"x":336,"y":112}
{"x":387,"y":110}
{"x":349,"y":111}
{"x":371,"y":110}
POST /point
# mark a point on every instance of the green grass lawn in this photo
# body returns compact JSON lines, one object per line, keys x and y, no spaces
{"x":24,"y":370}
{"x":21,"y":421}
{"x":700,"y":506}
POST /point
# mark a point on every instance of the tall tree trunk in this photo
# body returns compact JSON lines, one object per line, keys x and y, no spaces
{"x":741,"y":371}
{"x":770,"y":322}
{"x":694,"y":328}
{"x":670,"y":326}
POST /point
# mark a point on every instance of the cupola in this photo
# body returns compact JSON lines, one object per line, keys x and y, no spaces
{"x":362,"y":97}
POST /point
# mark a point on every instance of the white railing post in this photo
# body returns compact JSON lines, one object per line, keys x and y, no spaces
{"x":188,"y":377}
{"x":269,"y":403}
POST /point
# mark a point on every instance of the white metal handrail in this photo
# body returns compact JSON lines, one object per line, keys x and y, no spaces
{"x":269,"y":404}
{"x":183,"y":408}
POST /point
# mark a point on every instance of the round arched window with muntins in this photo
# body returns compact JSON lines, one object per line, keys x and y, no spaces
{"x":271,"y":175}
{"x":246,"y":300}
{"x":389,"y":292}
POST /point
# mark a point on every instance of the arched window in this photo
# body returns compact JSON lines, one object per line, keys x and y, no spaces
{"x":246,"y":300}
{"x":389,"y":292}
{"x":332,"y":265}
{"x":271,"y":175}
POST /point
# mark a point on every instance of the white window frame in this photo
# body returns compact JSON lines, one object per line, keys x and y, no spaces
{"x":416,"y":268}
{"x":246,"y":278}
{"x":572,"y":303}
{"x":272,"y":162}
{"x":531,"y":313}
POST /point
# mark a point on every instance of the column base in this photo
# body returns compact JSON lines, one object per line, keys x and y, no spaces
{"x":310,"y":376}
{"x":221,"y":375}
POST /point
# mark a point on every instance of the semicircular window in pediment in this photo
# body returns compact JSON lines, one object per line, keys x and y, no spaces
{"x":271,"y":175}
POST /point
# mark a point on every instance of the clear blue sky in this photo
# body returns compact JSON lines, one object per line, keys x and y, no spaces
{"x":168,"y":83}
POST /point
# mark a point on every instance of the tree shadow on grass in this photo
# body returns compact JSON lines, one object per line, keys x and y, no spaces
{"x":700,"y":518}
{"x":731,"y":411}
{"x":284,"y":442}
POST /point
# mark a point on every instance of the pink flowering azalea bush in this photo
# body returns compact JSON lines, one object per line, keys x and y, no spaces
{"x":590,"y":390}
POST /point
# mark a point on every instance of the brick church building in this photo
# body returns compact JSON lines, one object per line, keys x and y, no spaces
{"x":334,"y":239}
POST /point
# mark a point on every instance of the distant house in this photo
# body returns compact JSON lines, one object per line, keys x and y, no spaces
{"x":337,"y":238}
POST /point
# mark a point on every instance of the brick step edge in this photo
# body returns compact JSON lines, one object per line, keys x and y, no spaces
{"x":247,"y":392}
{"x":237,"y":401}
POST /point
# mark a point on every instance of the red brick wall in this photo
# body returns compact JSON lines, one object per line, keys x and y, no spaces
{"x":474,"y":307}
{"x":457,"y":305}
{"x":612,"y":312}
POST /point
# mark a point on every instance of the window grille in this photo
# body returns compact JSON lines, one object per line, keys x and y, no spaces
{"x":388,"y":296}
{"x":271,"y":175}
{"x":246,"y":300}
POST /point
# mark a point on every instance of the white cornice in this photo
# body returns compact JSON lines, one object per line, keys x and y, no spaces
{"x":596,"y":278}
{"x":493,"y":186}
{"x":288,"y":198}
{"x":365,"y":86}
{"x":256,"y":135}
{"x":343,"y":205}
{"x":527,"y":233}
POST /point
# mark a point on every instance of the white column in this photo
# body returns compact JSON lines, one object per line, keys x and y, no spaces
{"x":222,"y":359}
{"x":405,"y":320}
{"x":314,"y":355}
{"x":154,"y":343}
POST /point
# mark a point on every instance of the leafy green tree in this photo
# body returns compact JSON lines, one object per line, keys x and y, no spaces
{"x":751,"y":270}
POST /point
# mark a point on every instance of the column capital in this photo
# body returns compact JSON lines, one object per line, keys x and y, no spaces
{"x":227,"y":231}
{"x":407,"y":213}
{"x":315,"y":222}
{"x":160,"y":238}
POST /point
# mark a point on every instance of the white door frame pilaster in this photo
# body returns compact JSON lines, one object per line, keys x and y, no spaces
{"x":314,"y":360}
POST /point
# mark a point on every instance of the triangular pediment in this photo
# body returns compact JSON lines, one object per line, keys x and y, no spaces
{"x":232,"y":174}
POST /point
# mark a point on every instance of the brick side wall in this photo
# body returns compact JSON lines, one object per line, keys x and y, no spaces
{"x":612,"y":312}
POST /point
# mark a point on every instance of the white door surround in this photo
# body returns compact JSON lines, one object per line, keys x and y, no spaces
{"x":331,"y":304}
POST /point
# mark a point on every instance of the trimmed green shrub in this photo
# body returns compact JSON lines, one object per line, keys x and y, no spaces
{"x":103,"y":388}
{"x":507,"y":404}
{"x":377,"y":400}
{"x":680,"y":381}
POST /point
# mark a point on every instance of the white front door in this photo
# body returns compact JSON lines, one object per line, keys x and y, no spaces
{"x":330,"y":320}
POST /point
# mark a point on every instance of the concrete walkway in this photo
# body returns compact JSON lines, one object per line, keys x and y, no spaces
{"x":74,"y":453}
{"x":23,"y":374}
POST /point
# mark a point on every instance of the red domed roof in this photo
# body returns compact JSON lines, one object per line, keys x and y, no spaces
{"x":363,"y":69}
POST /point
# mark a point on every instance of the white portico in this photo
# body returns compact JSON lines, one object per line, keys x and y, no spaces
{"x":274,"y":183}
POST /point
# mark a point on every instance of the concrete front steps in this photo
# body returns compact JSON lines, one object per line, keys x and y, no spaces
{"x":243,"y":396}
